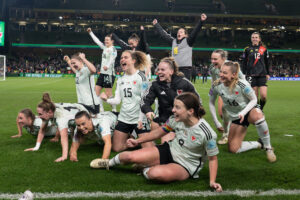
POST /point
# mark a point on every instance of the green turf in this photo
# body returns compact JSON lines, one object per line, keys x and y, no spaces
{"x":247,"y":171}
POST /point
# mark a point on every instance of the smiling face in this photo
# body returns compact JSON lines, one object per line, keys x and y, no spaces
{"x":84,"y":125}
{"x":164,"y":72}
{"x":255,"y":39}
{"x":108,"y":41}
{"x":181,"y":114}
{"x":77,"y":64}
{"x":181,"y":33}
{"x":217,"y":60}
{"x":126,"y":61}
{"x":226,"y":76}
{"x":133,"y":43}
{"x":23,"y":120}
{"x":44,"y":115}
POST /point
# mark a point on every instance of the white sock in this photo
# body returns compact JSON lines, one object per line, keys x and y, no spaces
{"x":145,"y":171}
{"x":263,"y":132}
{"x":248,"y":145}
{"x":101,"y":104}
{"x":114,"y":161}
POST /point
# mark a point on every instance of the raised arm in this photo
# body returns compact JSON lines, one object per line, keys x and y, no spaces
{"x":162,"y":32}
{"x":95,"y":39}
{"x":89,"y":65}
{"x":143,"y":45}
{"x":123,"y":45}
{"x":68,"y":61}
{"x":192,"y":37}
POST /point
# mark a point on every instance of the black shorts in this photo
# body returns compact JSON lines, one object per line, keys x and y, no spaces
{"x":92,"y":109}
{"x":128,"y":128}
{"x":245,"y":123}
{"x":105,"y":81}
{"x":157,"y":120}
{"x":257,"y":81}
{"x":165,"y":156}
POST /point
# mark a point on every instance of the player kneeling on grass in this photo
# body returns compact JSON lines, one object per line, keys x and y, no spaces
{"x":99,"y":128}
{"x":59,"y":114}
{"x":240,"y":103}
{"x":180,"y":158}
{"x":26,"y":119}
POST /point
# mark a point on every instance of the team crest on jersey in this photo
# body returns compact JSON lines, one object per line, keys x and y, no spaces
{"x":193,"y":138}
{"x":179,"y":92}
{"x":134,"y":82}
{"x":236,"y":92}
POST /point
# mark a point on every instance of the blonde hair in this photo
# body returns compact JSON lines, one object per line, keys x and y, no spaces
{"x":46,"y":104}
{"x":141,"y":60}
{"x":173,"y":65}
{"x":223,"y":54}
{"x":76,"y":56}
{"x":235,"y":69}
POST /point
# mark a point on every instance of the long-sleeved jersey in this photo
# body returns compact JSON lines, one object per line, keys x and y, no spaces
{"x":255,"y":61}
{"x":166,"y":93}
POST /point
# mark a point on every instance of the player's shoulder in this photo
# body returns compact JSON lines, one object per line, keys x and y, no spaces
{"x":142,"y":75}
{"x":207,"y":131}
{"x":243,"y":83}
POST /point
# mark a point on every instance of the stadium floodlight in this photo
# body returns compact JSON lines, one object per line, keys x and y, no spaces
{"x":2,"y":67}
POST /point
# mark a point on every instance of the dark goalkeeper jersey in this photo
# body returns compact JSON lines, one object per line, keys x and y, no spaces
{"x":255,"y":61}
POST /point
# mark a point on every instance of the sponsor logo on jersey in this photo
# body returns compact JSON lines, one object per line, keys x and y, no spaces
{"x":266,"y":132}
{"x":163,"y":93}
{"x":179,"y":92}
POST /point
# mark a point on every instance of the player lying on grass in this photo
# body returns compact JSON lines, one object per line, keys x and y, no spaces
{"x":26,"y":119}
{"x":97,"y":128}
{"x":180,"y":158}
{"x":240,"y":103}
{"x":59,"y":114}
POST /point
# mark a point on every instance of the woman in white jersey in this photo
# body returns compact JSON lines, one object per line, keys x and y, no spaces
{"x":106,"y":78}
{"x":218,"y":58}
{"x":240,"y":103}
{"x":99,"y":128}
{"x":85,"y":81}
{"x":59,"y":114}
{"x":129,"y":90}
{"x":182,"y":157}
{"x":26,"y":119}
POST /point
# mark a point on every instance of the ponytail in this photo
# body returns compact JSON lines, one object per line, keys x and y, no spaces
{"x":46,"y":104}
{"x":234,"y":68}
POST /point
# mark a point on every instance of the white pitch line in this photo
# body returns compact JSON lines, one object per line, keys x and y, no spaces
{"x":155,"y":194}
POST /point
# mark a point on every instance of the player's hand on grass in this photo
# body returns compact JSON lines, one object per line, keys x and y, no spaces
{"x":216,"y":186}
{"x":131,"y":143}
{"x":30,"y":149}
{"x":16,"y":136}
{"x":221,"y":129}
{"x":61,"y":159}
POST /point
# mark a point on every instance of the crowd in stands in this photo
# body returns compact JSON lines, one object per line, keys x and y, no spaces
{"x":54,"y":64}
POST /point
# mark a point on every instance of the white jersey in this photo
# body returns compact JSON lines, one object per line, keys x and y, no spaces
{"x":109,"y":55}
{"x":104,"y":124}
{"x":130,"y":89}
{"x":37,"y":123}
{"x":85,"y":87}
{"x":191,"y":145}
{"x":233,"y":102}
{"x":64,"y":113}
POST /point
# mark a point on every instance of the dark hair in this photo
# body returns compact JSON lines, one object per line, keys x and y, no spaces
{"x":223,"y":54}
{"x":81,"y":114}
{"x":141,"y":60}
{"x":173,"y":65}
{"x":110,"y":36}
{"x":46,"y":103}
{"x":28,"y":113}
{"x":185,"y":31}
{"x":191,"y":101}
{"x":134,"y":36}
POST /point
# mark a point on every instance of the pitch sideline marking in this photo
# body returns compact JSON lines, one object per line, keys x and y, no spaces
{"x":155,"y":194}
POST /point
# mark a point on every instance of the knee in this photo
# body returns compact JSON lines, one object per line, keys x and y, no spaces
{"x":155,"y":174}
{"x":233,"y":148}
{"x":117,"y":148}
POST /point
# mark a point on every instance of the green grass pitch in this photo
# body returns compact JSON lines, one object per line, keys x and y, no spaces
{"x":38,"y":172}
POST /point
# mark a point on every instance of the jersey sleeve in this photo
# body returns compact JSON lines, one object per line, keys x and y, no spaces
{"x":163,"y":33}
{"x":169,"y":125}
{"x":148,"y":99}
{"x":250,"y":94}
{"x":105,"y":127}
{"x":123,"y":45}
{"x":117,"y":98}
{"x":211,"y":147}
{"x":96,"y":40}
